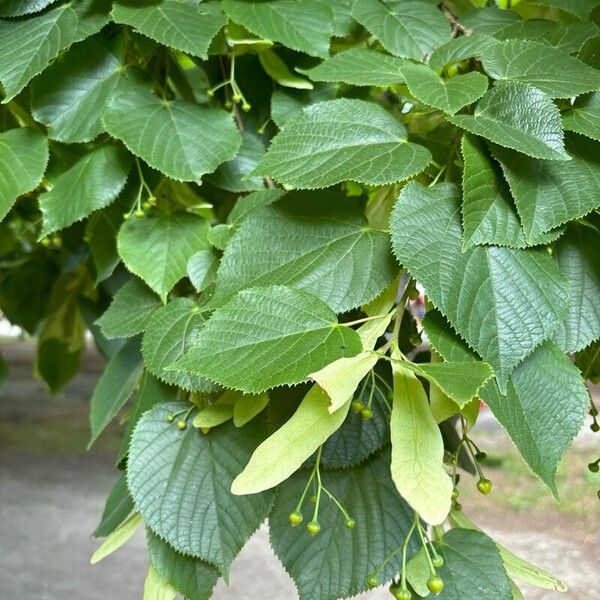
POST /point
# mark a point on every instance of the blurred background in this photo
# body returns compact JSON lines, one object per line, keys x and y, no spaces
{"x":52,"y":493}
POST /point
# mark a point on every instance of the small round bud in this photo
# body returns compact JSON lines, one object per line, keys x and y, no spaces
{"x":228,"y":104}
{"x":399,"y":593}
{"x":435,"y":584}
{"x":295,"y":518}
{"x":594,"y":411}
{"x":126,"y":216}
{"x":457,"y":506}
{"x":455,"y":493}
{"x":372,"y":580}
{"x":146,"y":205}
{"x":415,"y":339}
{"x":170,"y":418}
{"x":484,"y":486}
{"x":350,"y":523}
{"x":366,"y":413}
{"x":139,"y":213}
{"x":480,"y":456}
{"x":357,"y":406}
{"x":246,"y":107}
{"x":313,"y":499}
{"x":438,"y":561}
{"x":181,"y":425}
{"x":594,"y":467}
{"x":313,"y":528}
{"x":210,"y":93}
{"x":236,"y":98}
{"x":595,"y":427}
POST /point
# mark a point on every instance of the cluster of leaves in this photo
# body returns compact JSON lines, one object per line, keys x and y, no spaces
{"x":238,"y":199}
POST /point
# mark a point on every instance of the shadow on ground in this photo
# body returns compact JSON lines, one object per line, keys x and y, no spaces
{"x":52,"y":493}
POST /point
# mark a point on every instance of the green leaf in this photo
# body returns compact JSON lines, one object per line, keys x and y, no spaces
{"x":278,"y":71}
{"x":23,"y":159}
{"x":515,"y":566}
{"x":286,"y":450}
{"x":489,"y":215}
{"x":191,"y":577}
{"x":170,"y":332}
{"x":460,"y":381}
{"x":158,"y":248}
{"x":359,"y":66}
{"x":504,"y":302}
{"x":231,"y":176}
{"x":578,"y":258}
{"x":195,"y":140}
{"x":129,"y":311}
{"x":70,"y":96}
{"x":268,"y":336}
{"x":473,"y":568}
{"x":584,"y":118}
{"x":543,"y":409}
{"x":29,"y":45}
{"x":289,"y":22}
{"x":339,"y":140}
{"x":358,"y":438}
{"x":117,"y":538}
{"x":151,"y":391}
{"x":335,"y":564}
{"x":93,"y":182}
{"x":579,"y":8}
{"x":317,"y":242}
{"x":156,"y":588}
{"x":552,"y":71}
{"x":288,"y":103}
{"x":407,"y":28}
{"x":517,"y":116}
{"x":588,"y":361}
{"x":550,"y":193}
{"x":202,"y":269}
{"x":449,"y":95}
{"x":459,"y":49}
{"x":489,"y":20}
{"x":180,"y":482}
{"x":188,"y":25}
{"x":115,"y":386}
{"x":18,"y":8}
{"x":418,"y":450}
{"x":119,"y":505}
{"x":248,"y":406}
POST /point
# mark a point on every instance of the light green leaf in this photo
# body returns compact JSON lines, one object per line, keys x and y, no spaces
{"x":489,"y":215}
{"x":218,"y":412}
{"x":550,"y":193}
{"x":286,"y":21}
{"x":23,"y":159}
{"x":550,"y":70}
{"x":268,"y":336}
{"x":129,"y":311}
{"x":335,"y":564}
{"x":186,"y":25}
{"x":584,"y":117}
{"x":515,"y":566}
{"x":359,"y":66}
{"x":231,"y":176}
{"x":407,"y":28}
{"x":319,"y":242}
{"x":579,"y":8}
{"x":70,"y":96}
{"x":579,"y":259}
{"x":156,"y":588}
{"x":193,"y":578}
{"x":29,"y":45}
{"x":170,"y":332}
{"x":158,"y":248}
{"x":193,"y":472}
{"x":115,"y":386}
{"x":202,"y":268}
{"x":119,"y":505}
{"x":473,"y":568}
{"x":461,"y":381}
{"x":286,"y":450}
{"x":181,"y":139}
{"x":517,"y":116}
{"x":418,"y":450}
{"x":277,"y":70}
{"x":504,"y":302}
{"x":339,"y":140}
{"x":543,"y":409}
{"x":247,"y":407}
{"x":117,"y":538}
{"x":93,"y":182}
{"x":18,"y":8}
{"x":459,"y":49}
{"x":449,"y":95}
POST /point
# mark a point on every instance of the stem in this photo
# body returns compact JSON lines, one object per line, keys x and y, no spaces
{"x":424,"y":544}
{"x":405,"y":548}
{"x":337,"y":503}
{"x":363,"y":320}
{"x":317,"y":470}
